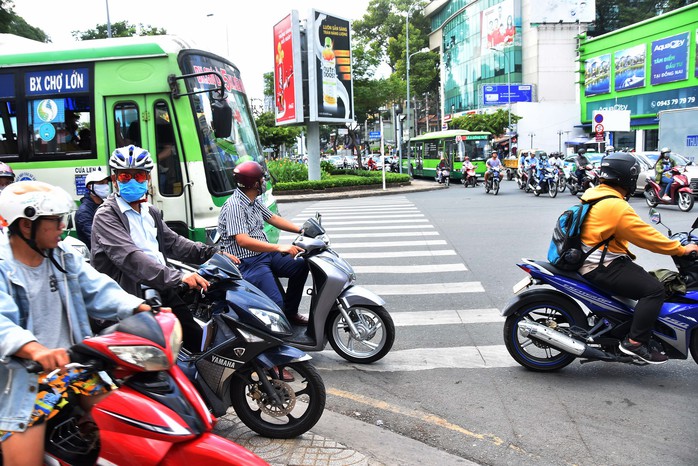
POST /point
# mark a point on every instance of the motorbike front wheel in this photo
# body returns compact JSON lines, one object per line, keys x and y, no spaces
{"x":495,"y":186}
{"x":552,"y":189}
{"x":685,"y":202}
{"x":376,"y":334}
{"x":651,"y":197}
{"x":561,"y":185}
{"x":534,"y":354}
{"x":302,"y":399}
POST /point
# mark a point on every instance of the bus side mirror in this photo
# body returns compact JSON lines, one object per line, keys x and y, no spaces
{"x":222,"y":118}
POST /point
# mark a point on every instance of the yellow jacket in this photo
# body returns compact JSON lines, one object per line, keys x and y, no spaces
{"x":616,"y":217}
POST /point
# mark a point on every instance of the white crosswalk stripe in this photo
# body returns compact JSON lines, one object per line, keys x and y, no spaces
{"x":419,"y":263}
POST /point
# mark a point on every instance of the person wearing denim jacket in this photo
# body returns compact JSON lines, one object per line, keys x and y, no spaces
{"x":81,"y":290}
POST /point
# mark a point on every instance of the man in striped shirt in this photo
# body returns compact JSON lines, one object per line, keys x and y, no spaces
{"x":241,"y":226}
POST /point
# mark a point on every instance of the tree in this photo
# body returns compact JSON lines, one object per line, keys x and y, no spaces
{"x":274,"y":136}
{"x":11,"y":23}
{"x":616,"y":14}
{"x":496,"y":123}
{"x":119,"y":29}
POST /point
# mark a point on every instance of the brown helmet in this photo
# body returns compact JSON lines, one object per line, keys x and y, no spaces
{"x":248,"y":174}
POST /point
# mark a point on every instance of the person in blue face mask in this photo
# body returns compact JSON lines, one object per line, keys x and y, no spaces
{"x":131,"y":243}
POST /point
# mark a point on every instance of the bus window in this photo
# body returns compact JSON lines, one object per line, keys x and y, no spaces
{"x":8,"y":129}
{"x":60,"y":127}
{"x":168,"y":160}
{"x":127,"y":124}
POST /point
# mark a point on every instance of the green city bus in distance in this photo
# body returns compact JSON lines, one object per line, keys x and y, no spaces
{"x":64,"y":109}
{"x":454,"y":144}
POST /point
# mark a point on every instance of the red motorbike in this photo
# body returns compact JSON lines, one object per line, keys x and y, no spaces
{"x":470,"y":177}
{"x":155,"y":417}
{"x":680,"y":192}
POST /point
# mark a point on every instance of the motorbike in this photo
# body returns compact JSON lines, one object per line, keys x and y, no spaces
{"x":680,"y":192}
{"x":522,"y":178}
{"x":590,"y":179}
{"x":244,"y":360}
{"x":443,"y":176}
{"x":560,"y":179}
{"x":469,"y":178}
{"x":492,"y":183}
{"x":154,"y":417}
{"x":546,"y":328}
{"x":547,"y":183}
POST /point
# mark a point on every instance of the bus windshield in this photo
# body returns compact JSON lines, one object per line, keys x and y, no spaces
{"x":221,"y":154}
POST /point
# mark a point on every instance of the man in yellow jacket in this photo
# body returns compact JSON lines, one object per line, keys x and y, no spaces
{"x":618,"y":274}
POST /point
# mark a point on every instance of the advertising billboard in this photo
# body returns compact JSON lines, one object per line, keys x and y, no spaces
{"x":563,"y":11}
{"x":597,"y":75}
{"x":670,"y":59}
{"x":329,"y":69}
{"x":498,"y":26}
{"x":288,"y":71}
{"x":502,"y":94}
{"x":630,"y":68}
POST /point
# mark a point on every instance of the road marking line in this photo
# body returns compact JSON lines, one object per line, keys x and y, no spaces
{"x":422,"y":416}
{"x":373,"y":222}
{"x":390,"y":255}
{"x":389,"y":244}
{"x":435,"y":268}
{"x":352,"y":209}
{"x":398,"y":234}
{"x":426,"y":288}
{"x":362,"y":216}
{"x":453,"y":317}
{"x":380,"y":227}
{"x":422,"y":359}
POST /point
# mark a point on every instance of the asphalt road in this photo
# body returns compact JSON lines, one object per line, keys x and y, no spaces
{"x":444,"y":261}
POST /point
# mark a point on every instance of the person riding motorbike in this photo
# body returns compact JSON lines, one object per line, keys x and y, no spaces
{"x":530,"y":166}
{"x":47,"y":291}
{"x":543,"y":165}
{"x":663,"y":172}
{"x":493,"y":163}
{"x":612,"y":268}
{"x":581,"y":161}
{"x":610,"y":149}
{"x":443,"y":165}
{"x":467,"y":166}
{"x":241,"y":226}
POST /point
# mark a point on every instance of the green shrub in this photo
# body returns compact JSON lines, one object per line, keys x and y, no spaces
{"x":286,"y":171}
{"x":345,"y":180}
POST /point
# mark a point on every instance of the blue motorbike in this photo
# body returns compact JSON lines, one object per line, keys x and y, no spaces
{"x":546,"y":328}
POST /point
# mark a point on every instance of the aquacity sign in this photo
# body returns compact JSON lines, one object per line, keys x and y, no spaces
{"x":670,"y":59}
{"x":57,"y":81}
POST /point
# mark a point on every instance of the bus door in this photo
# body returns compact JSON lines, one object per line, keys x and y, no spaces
{"x":149,"y":122}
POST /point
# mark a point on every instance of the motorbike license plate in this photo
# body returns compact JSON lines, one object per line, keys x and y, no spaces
{"x":525,"y":283}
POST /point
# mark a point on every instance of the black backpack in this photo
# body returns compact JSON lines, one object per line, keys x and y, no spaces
{"x":565,"y":251}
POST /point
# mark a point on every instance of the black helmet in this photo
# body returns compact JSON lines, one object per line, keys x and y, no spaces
{"x":620,"y":169}
{"x":581,"y":151}
{"x":248,"y":174}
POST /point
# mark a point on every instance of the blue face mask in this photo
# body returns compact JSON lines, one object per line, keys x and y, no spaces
{"x":133,"y":190}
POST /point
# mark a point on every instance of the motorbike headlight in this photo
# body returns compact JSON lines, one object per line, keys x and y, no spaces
{"x":149,"y":358}
{"x":276,"y":323}
{"x":176,"y":338}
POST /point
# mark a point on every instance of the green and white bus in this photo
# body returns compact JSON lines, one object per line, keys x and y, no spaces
{"x":453,"y":144}
{"x":63,"y":110}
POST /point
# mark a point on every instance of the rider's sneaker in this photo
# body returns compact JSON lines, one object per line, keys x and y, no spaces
{"x":649,"y":354}
{"x":666,"y":198}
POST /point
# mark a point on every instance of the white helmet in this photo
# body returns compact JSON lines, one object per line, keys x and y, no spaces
{"x":31,"y":200}
{"x":131,"y":158}
{"x":95,"y":177}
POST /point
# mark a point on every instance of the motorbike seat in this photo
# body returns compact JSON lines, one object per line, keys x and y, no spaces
{"x":574,"y":275}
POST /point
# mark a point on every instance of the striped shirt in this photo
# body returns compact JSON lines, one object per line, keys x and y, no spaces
{"x":239,"y":215}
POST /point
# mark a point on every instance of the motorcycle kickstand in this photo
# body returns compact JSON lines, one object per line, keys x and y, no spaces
{"x":352,"y":328}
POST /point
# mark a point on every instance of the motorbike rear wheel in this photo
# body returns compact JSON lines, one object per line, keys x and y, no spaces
{"x":685,"y":202}
{"x":531,"y":353}
{"x":376,"y":329}
{"x":303,"y":400}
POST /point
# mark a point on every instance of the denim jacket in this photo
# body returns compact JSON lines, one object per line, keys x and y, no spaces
{"x":82,"y":289}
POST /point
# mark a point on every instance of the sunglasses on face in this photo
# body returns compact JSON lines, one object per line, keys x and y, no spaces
{"x":125,"y":177}
{"x":59,"y":220}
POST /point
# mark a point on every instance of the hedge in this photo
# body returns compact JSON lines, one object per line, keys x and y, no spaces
{"x":351,"y":178}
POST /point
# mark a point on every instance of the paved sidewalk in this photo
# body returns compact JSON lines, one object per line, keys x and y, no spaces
{"x":337,"y":440}
{"x":414,"y":186}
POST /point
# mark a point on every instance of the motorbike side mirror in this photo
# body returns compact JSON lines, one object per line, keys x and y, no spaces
{"x":695,"y":224}
{"x":656,"y":217}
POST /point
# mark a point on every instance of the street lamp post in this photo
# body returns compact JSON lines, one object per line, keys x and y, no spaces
{"x":531,"y":134}
{"x":506,"y":65}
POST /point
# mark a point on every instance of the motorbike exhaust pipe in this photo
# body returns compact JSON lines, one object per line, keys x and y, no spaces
{"x":561,"y":341}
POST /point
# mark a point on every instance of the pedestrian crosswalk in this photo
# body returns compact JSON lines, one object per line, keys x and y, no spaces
{"x":398,"y":254}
